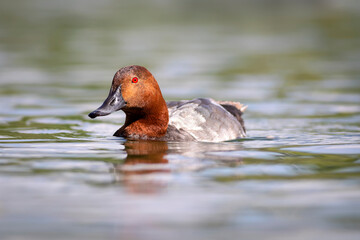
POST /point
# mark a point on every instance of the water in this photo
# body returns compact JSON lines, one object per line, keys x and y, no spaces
{"x":295,"y":64}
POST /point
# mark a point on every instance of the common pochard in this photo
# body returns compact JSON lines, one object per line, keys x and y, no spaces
{"x":135,"y":91}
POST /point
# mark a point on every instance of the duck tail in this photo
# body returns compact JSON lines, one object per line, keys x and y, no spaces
{"x":236,"y":109}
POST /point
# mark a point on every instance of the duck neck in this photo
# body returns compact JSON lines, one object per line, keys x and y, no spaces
{"x":145,"y":123}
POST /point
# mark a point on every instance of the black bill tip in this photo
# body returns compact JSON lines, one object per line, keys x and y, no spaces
{"x":98,"y":113}
{"x":94,"y":114}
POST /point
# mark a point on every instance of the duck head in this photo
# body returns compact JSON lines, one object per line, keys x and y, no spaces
{"x":135,"y":91}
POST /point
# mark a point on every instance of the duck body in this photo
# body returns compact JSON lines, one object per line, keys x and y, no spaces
{"x":202,"y":119}
{"x":135,"y":91}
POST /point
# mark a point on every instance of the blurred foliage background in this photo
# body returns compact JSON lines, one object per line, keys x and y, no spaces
{"x":301,"y":39}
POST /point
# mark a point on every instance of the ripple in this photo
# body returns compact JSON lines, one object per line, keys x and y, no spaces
{"x":257,"y":170}
{"x":88,"y":166}
{"x":247,"y":154}
{"x":44,"y":131}
{"x":55,"y":121}
{"x":328,"y":149}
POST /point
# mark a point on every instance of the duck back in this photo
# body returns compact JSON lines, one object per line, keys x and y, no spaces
{"x":203,"y":119}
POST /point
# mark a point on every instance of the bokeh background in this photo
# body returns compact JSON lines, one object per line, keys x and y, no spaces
{"x":296,"y":64}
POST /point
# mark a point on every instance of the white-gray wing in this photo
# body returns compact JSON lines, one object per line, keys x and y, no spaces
{"x":205,"y":120}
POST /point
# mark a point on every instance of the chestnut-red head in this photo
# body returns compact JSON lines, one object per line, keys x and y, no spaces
{"x":135,"y":91}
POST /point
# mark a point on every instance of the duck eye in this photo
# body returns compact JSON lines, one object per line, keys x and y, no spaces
{"x":135,"y":80}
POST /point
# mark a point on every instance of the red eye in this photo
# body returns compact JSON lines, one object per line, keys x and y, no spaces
{"x":135,"y":80}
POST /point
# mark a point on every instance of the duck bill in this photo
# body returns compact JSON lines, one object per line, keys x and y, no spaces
{"x":114,"y":102}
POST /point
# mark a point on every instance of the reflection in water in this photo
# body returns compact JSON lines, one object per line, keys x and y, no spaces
{"x":145,"y":167}
{"x":150,"y":165}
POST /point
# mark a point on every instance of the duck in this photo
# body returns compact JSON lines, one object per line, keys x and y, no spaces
{"x":135,"y":91}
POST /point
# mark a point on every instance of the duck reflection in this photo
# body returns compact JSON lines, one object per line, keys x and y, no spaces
{"x":145,"y":169}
